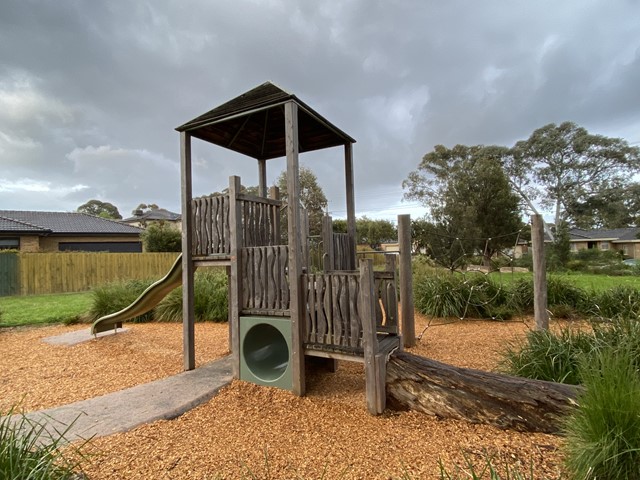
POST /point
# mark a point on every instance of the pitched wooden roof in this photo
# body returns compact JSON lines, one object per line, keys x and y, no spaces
{"x":253,"y":124}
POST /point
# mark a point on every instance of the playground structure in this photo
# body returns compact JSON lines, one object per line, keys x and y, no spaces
{"x":340,"y":313}
{"x":281,"y":312}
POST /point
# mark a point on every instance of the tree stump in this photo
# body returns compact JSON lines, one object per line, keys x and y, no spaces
{"x":504,"y":401}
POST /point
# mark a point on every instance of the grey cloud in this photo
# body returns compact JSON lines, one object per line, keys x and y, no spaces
{"x":399,"y":76}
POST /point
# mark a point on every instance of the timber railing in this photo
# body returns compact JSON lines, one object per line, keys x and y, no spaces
{"x":265,"y":282}
{"x":336,"y":316}
{"x":259,"y":222}
{"x":338,"y":248}
{"x":210,"y":220}
{"x":343,"y":249}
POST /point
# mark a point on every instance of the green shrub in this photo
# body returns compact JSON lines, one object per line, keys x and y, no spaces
{"x":619,"y":332}
{"x":603,"y":433}
{"x":616,"y":270}
{"x":421,"y":267}
{"x":115,"y":296}
{"x":30,"y":450}
{"x":499,"y":312}
{"x":161,"y":237}
{"x":621,"y":300}
{"x":548,"y":356}
{"x":560,"y":292}
{"x":441,"y":296}
{"x":522,"y":294}
{"x":471,"y":295}
{"x":210,"y":299}
{"x":486,"y":298}
{"x":526,"y":261}
{"x":562,"y":311}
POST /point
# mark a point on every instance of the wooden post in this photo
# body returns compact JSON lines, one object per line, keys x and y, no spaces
{"x":406,"y":281}
{"x":235,"y":282}
{"x":539,"y":273}
{"x":262,"y":178}
{"x":372,"y":369}
{"x":188,"y":316}
{"x":295,"y":262}
{"x":351,"y":203}
{"x":227,"y":270}
{"x":327,"y":243}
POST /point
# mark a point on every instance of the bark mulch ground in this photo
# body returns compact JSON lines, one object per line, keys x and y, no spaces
{"x":248,"y":431}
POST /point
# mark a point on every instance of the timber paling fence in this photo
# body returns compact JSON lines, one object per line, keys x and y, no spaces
{"x":41,"y":273}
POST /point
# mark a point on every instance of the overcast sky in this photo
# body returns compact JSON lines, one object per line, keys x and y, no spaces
{"x":91,"y":91}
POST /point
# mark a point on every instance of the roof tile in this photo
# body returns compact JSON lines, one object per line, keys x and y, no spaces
{"x":61,"y":222}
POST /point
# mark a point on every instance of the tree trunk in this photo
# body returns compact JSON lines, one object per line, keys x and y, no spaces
{"x":445,"y":391}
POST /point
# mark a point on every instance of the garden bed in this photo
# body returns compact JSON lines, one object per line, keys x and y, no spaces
{"x":248,"y":430}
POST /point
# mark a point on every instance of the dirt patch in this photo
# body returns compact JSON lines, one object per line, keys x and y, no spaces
{"x":255,"y":432}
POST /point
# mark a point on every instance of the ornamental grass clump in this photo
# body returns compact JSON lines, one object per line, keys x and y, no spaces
{"x":603,"y":433}
{"x":210,"y":302}
{"x":442,"y":296}
{"x":548,"y":356}
{"x":487,"y":298}
{"x":473,"y":295}
{"x":619,"y":301}
{"x":115,"y":296}
{"x":30,"y":451}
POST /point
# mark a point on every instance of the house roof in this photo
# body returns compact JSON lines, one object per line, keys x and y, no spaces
{"x":12,"y":225}
{"x":156,"y":214}
{"x":253,"y":124}
{"x":42,"y":223}
{"x":615,"y":234}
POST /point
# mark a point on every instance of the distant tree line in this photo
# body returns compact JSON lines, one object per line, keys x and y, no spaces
{"x":477,"y":195}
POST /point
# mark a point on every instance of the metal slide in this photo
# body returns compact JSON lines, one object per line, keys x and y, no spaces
{"x":145,"y":302}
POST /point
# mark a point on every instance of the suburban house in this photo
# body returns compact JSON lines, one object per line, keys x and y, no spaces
{"x":143,"y":218}
{"x":31,"y":231}
{"x":624,"y":240}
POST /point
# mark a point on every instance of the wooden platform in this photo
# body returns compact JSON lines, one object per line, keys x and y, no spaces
{"x":387,"y":344}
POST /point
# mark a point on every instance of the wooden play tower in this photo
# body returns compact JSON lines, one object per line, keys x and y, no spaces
{"x":338,"y":313}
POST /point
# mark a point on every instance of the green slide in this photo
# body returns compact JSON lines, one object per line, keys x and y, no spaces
{"x":145,"y":302}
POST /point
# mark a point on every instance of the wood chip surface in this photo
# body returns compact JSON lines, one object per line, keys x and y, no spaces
{"x":248,"y":431}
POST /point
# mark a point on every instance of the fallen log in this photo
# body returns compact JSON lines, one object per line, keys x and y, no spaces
{"x":504,"y":401}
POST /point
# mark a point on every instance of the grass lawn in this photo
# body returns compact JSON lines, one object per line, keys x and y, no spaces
{"x":585,"y":281}
{"x":43,"y":309}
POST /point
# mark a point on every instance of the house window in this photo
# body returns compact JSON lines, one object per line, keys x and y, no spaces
{"x":625,"y":250}
{"x":573,"y":247}
{"x":604,"y":245}
{"x":9,"y":243}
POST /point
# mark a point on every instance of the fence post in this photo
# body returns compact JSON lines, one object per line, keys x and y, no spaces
{"x":539,"y":273}
{"x":406,"y":282}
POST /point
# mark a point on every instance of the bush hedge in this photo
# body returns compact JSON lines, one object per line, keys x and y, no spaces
{"x":210,"y":299}
{"x":480,"y":296}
